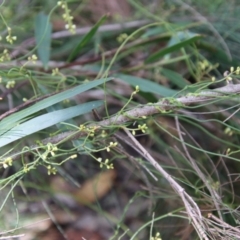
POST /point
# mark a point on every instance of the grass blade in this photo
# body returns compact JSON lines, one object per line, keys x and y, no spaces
{"x":46,"y":120}
{"x":43,"y":31}
{"x":14,"y":119}
{"x":147,"y":85}
{"x":172,"y":48}
{"x":86,"y":39}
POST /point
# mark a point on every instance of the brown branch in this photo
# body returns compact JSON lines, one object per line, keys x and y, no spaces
{"x":149,"y":110}
{"x":142,"y":111}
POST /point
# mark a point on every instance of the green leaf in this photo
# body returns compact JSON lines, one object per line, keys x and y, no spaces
{"x":157,"y":30}
{"x":147,"y":85}
{"x":43,"y":30}
{"x":181,"y":36}
{"x":174,"y":77}
{"x":172,"y":48}
{"x":86,"y":39}
{"x":62,"y":127}
{"x":16,"y":118}
{"x":46,"y":120}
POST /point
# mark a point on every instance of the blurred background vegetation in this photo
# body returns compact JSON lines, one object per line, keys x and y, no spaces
{"x":167,"y":48}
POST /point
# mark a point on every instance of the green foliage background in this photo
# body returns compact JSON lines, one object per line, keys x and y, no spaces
{"x":176,"y":49}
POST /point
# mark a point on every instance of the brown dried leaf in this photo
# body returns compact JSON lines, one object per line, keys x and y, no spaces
{"x":96,"y":187}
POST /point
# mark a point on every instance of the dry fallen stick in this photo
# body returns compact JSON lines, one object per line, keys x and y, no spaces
{"x":191,"y":207}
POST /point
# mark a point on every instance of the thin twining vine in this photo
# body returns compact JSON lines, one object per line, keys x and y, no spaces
{"x":140,"y":112}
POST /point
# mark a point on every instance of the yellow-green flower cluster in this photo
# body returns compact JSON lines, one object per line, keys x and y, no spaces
{"x":50,"y":149}
{"x":90,"y":130}
{"x":142,"y":128}
{"x":73,"y":156}
{"x":105,"y":163}
{"x":157,"y":237}
{"x":228,"y":131}
{"x":5,"y":56}
{"x":10,"y":84}
{"x":51,"y":170}
{"x":204,"y":64}
{"x":122,"y":37}
{"x":82,"y":127}
{"x":9,"y":37}
{"x":55,"y":72}
{"x":111,"y":145}
{"x":7,"y":162}
{"x":33,"y":58}
{"x":228,"y":151}
{"x":137,"y":89}
{"x":26,"y":169}
{"x":228,"y":75}
{"x":236,"y":71}
{"x":67,"y":17}
{"x":103,"y":134}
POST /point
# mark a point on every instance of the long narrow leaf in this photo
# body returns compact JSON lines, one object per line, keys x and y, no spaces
{"x":174,"y":77}
{"x":16,"y":118}
{"x":43,"y":30}
{"x":46,"y":120}
{"x":170,"y":49}
{"x":147,"y":85}
{"x":86,"y":39}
